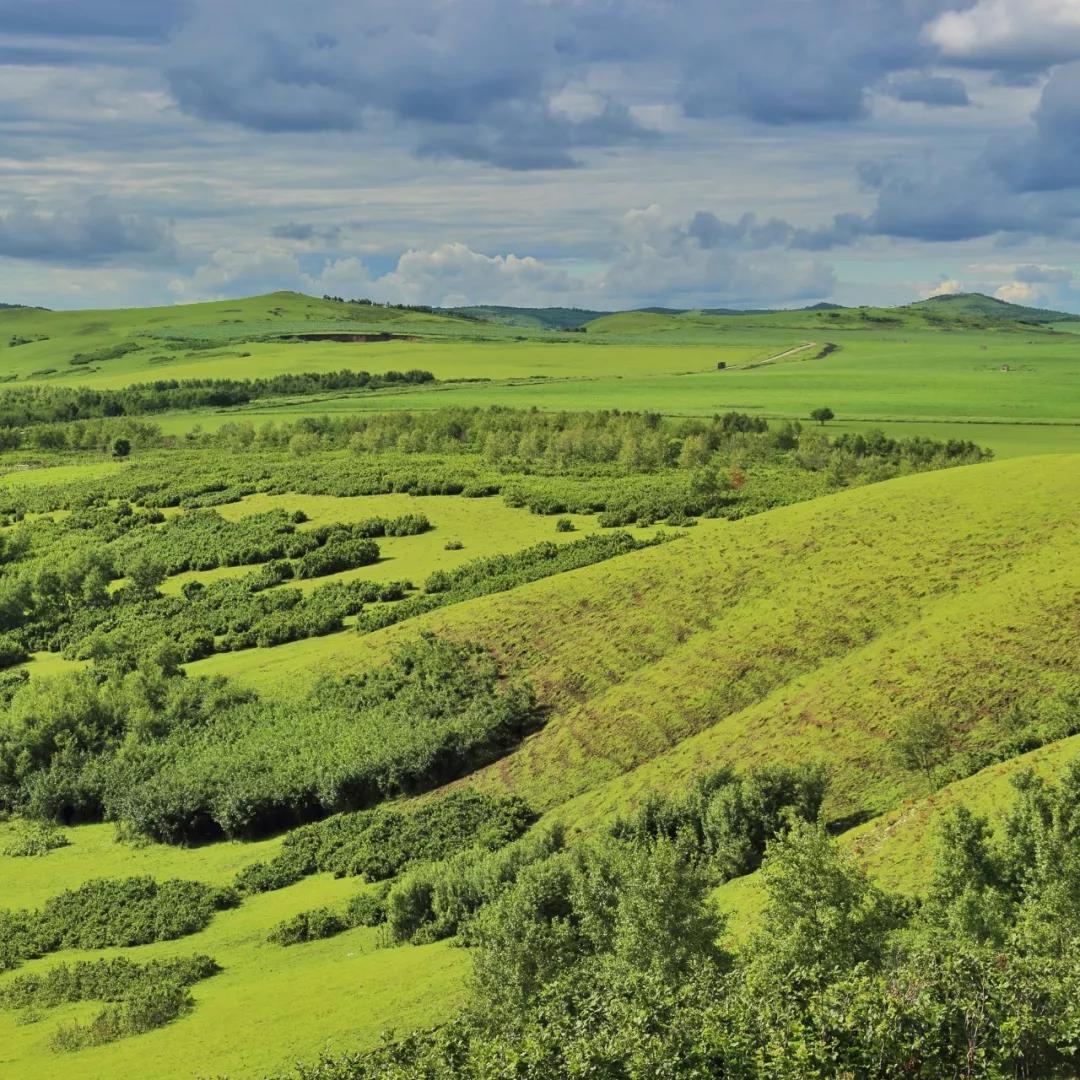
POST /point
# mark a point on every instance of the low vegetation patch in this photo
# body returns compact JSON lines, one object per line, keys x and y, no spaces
{"x":110,"y":912}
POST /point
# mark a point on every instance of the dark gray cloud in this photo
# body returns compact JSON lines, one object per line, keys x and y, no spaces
{"x":477,"y":79}
{"x":939,"y":90}
{"x":96,"y":231}
{"x":145,"y":19}
{"x":305,"y":231}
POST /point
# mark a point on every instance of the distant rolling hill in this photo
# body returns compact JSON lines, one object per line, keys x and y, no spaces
{"x":549,"y":318}
{"x":988,"y":307}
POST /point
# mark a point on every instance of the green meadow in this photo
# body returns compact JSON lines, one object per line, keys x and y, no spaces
{"x":282,"y":650}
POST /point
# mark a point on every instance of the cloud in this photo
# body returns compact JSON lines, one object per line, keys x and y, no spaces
{"x":691,"y":264}
{"x":111,"y":18}
{"x":944,"y":287}
{"x":1049,"y":158}
{"x":483,"y":80}
{"x":1017,"y":292}
{"x":230,"y":272}
{"x":454,"y":274}
{"x":474,"y":80}
{"x":653,"y":259}
{"x":306,"y":232}
{"x":96,"y":230}
{"x":1020,"y":34}
{"x":934,"y":90}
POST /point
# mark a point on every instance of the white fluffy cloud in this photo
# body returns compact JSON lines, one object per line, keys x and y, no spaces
{"x":654,"y":259}
{"x":945,"y":287}
{"x":229,"y":273}
{"x":686,"y":264}
{"x":1024,"y":33}
{"x":454,"y":274}
{"x":1017,"y":292}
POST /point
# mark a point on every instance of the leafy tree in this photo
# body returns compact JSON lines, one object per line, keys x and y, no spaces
{"x":121,"y":448}
{"x":921,"y":743}
{"x":823,"y":414}
{"x":146,"y":574}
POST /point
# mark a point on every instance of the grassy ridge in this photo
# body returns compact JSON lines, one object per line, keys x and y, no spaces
{"x":732,"y":635}
{"x":801,"y":633}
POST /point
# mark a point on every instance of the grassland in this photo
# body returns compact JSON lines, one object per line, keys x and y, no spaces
{"x":287,"y":1003}
{"x":483,"y":527}
{"x":943,"y":374}
{"x":806,"y":633}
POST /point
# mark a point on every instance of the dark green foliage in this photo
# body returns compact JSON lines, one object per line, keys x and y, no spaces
{"x":110,"y":912}
{"x":602,"y":962}
{"x":435,"y":711}
{"x":204,"y":540}
{"x":147,"y":1007}
{"x":143,"y":996}
{"x":11,"y":652}
{"x":35,"y":838}
{"x":43,"y":405}
{"x":564,"y":525}
{"x":99,"y":980}
{"x":728,"y":819}
{"x":438,"y":900}
{"x":57,"y":734}
{"x":367,"y":908}
{"x":381,"y":842}
{"x":335,"y":557}
{"x":307,"y":926}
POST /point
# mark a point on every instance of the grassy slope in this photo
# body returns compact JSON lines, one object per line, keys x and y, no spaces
{"x":897,"y":848}
{"x":803,"y":631}
{"x":288,"y":1003}
{"x":935,"y":367}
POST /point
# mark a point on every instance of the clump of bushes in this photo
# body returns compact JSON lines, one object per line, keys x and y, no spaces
{"x":110,"y":912}
{"x":438,"y":709}
{"x":364,"y":909}
{"x":728,"y":818}
{"x":307,"y":926}
{"x":35,"y":838}
{"x":379,"y":843}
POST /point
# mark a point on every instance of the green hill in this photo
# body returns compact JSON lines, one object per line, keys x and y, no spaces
{"x":802,"y":634}
{"x":550,"y":318}
{"x":982,"y":306}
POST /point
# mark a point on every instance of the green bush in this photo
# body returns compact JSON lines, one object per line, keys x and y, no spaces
{"x":34,"y":838}
{"x":307,"y":926}
{"x":111,"y":912}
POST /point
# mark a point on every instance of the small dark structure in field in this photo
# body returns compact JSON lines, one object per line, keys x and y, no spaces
{"x":382,"y":336}
{"x":721,"y":365}
{"x":1005,"y":367}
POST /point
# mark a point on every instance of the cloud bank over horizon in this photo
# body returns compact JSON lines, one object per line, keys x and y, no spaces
{"x":597,"y":153}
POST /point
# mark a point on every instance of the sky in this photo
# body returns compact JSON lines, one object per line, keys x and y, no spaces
{"x":585,"y":153}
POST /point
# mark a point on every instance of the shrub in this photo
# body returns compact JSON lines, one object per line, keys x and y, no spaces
{"x":564,"y":525}
{"x":35,"y":838}
{"x":111,"y":912}
{"x":307,"y":926}
{"x":367,"y":908}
